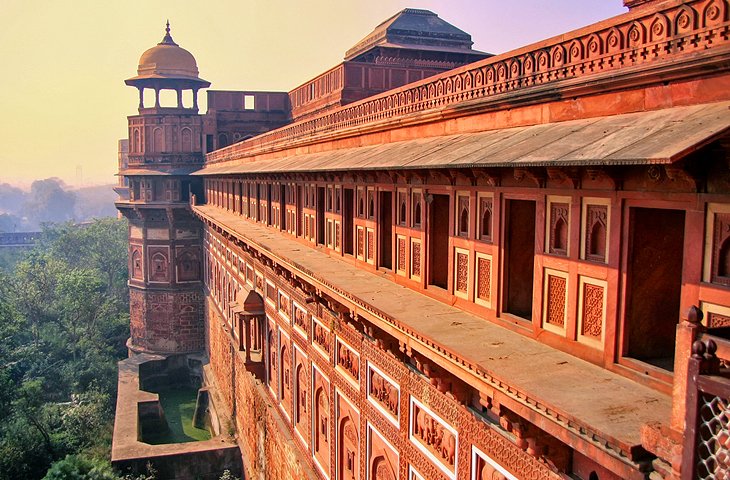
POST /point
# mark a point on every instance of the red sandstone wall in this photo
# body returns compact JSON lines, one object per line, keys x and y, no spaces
{"x":361,"y":430}
{"x":267,"y":448}
{"x":166,"y":321}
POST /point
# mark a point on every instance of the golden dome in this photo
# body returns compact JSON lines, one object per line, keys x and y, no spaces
{"x":167,"y":60}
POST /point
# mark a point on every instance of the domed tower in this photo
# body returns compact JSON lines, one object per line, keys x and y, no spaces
{"x":165,"y":255}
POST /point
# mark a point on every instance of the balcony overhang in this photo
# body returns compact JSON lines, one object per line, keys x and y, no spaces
{"x":652,"y":137}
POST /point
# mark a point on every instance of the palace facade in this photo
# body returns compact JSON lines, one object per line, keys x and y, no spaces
{"x":434,"y":263}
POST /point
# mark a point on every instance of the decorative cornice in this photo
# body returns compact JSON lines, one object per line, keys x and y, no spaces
{"x":672,"y":32}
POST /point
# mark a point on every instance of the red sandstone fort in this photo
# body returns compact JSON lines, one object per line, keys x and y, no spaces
{"x":433,"y":263}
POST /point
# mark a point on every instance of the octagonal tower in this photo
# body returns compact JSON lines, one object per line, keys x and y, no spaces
{"x":165,"y":255}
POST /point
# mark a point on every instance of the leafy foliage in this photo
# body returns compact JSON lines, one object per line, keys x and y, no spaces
{"x":63,"y":323}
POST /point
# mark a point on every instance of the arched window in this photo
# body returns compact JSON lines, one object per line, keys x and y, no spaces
{"x":321,"y":421}
{"x":159,"y":267}
{"x":464,"y":222}
{"x":597,"y":245}
{"x":402,"y":212}
{"x":188,"y":267}
{"x":560,"y":235}
{"x":137,"y":264}
{"x":486,"y":231}
{"x":222,"y":140}
{"x":417,"y":214}
{"x":187,"y":139}
{"x":158,"y":144}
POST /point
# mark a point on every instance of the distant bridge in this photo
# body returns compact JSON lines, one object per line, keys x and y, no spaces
{"x":19,"y":239}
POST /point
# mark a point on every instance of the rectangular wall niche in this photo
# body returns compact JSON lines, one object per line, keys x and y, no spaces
{"x":434,"y":437}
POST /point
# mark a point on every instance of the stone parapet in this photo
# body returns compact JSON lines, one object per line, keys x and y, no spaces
{"x":640,"y":44}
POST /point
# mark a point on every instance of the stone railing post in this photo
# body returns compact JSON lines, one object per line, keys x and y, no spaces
{"x":688,"y":331}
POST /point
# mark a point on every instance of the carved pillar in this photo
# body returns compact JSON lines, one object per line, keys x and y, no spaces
{"x":179,"y":98}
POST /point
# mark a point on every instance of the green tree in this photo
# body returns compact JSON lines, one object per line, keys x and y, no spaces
{"x":76,"y":467}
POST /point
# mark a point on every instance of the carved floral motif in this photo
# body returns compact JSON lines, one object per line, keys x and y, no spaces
{"x":556,"y":301}
{"x":484,"y":279}
{"x":416,"y":259}
{"x":462,"y":272}
{"x":592,"y":311}
{"x":401,"y":254}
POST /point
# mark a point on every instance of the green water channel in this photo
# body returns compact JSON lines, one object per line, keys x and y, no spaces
{"x":178,"y":403}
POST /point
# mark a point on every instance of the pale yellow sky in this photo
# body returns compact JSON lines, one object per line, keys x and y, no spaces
{"x":62,"y":96}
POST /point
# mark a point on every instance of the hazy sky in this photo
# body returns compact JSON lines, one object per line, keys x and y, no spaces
{"x":62,"y":96}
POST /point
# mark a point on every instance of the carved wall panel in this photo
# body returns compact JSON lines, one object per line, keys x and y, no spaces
{"x":555,"y":300}
{"x":383,"y":460}
{"x":384,"y":393}
{"x":321,"y":336}
{"x":285,"y":373}
{"x":272,"y":348}
{"x":301,"y":318}
{"x":461,"y":272}
{"x":284,"y":305}
{"x":159,"y":263}
{"x":483,"y":280}
{"x":301,"y":395}
{"x":416,"y":259}
{"x":434,"y":437}
{"x":271,"y":293}
{"x":401,"y":266}
{"x":371,"y":245}
{"x":321,"y":421}
{"x":484,"y":468}
{"x":716,"y":320}
{"x":136,"y":263}
{"x":348,"y":360}
{"x":360,"y":242}
{"x":348,"y":439}
{"x":188,"y":264}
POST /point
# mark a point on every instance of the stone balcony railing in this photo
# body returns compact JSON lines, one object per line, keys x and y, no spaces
{"x":675,"y":29}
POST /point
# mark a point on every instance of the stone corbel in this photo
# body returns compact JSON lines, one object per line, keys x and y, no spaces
{"x":561,"y":174}
{"x":676,"y":173}
{"x":613,"y":174}
{"x":491,"y":177}
{"x":533,"y":174}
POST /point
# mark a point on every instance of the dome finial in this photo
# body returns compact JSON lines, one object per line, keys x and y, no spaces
{"x":167,"y":39}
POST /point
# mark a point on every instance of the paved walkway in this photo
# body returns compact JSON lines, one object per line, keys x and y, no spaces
{"x":608,"y":404}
